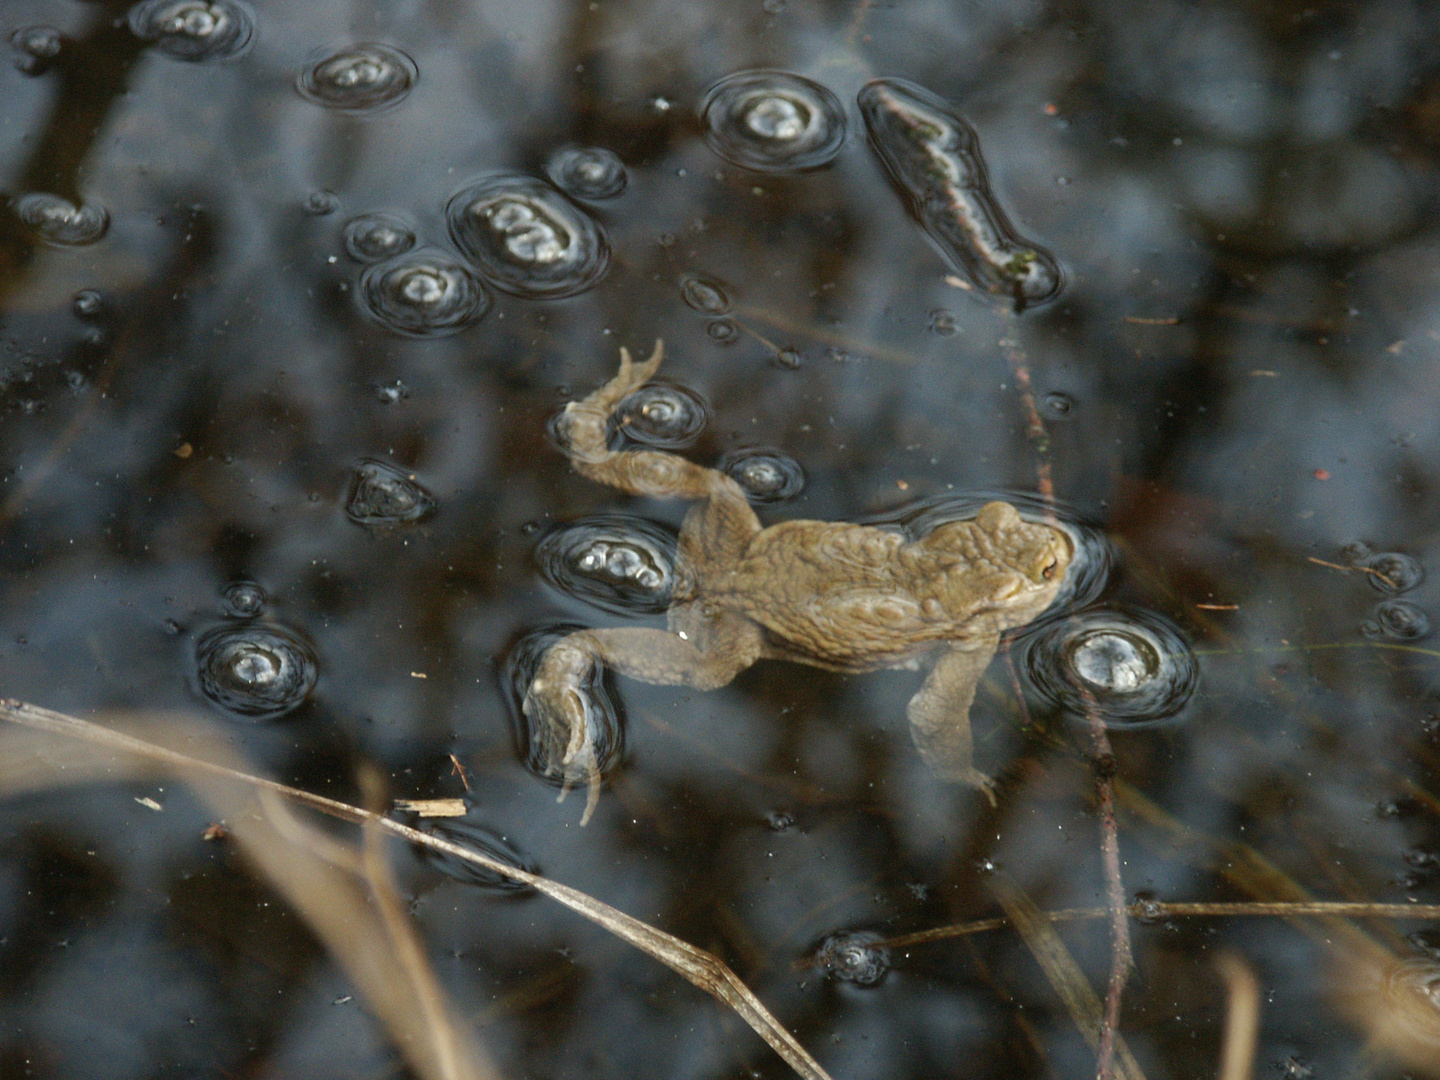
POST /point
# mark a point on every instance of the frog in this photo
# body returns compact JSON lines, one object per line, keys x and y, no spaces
{"x":839,"y":596}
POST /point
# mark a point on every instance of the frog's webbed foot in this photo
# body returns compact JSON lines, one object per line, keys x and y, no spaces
{"x":565,"y":721}
{"x":939,"y":714}
{"x":584,"y":425}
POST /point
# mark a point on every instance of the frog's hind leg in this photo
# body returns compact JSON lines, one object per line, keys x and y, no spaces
{"x":940,"y":713}
{"x":558,"y":705}
{"x":582,"y":431}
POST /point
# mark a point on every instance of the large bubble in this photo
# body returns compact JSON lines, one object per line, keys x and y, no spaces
{"x":933,"y":160}
{"x":616,"y":562}
{"x":61,"y":222}
{"x":773,"y":121}
{"x":373,"y":237}
{"x":664,"y":416}
{"x":255,"y":670}
{"x":358,"y":78}
{"x":423,"y":293}
{"x":194,"y":29}
{"x":383,"y":495}
{"x":1131,"y":667}
{"x":544,"y":747}
{"x":766,"y":475}
{"x":587,"y":172}
{"x":526,"y":238}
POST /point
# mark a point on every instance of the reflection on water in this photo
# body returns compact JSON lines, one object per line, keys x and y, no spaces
{"x":256,"y":259}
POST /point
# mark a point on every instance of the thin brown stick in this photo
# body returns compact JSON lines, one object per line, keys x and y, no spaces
{"x":1242,"y":1017}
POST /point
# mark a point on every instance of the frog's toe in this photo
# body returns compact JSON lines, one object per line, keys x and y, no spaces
{"x":571,"y":735}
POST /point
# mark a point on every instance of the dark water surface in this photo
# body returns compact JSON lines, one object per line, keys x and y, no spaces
{"x":287,"y":303}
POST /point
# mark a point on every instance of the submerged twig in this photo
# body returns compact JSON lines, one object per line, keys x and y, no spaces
{"x":697,"y":966}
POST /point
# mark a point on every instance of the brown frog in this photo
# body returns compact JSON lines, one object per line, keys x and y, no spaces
{"x":842,"y":597}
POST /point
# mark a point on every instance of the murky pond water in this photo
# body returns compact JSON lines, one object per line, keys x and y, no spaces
{"x":290,"y":296}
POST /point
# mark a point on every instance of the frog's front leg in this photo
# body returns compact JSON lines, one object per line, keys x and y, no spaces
{"x":561,"y":714}
{"x":582,"y":431}
{"x":939,"y":713}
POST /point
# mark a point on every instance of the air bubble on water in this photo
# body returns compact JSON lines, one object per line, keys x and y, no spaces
{"x":244,"y":600}
{"x":35,"y":47}
{"x":1400,"y":620}
{"x":255,"y":670}
{"x":373,"y":237}
{"x":87,"y":303}
{"x":545,"y":748}
{"x":363,"y":78}
{"x":470,"y":831}
{"x":725,"y":331}
{"x":527,"y":238}
{"x":772,"y":121}
{"x":60,"y":222}
{"x":705,"y":295}
{"x":789,"y":358}
{"x":391,"y":393}
{"x":1130,"y":667}
{"x":423,"y":293}
{"x":382,"y":495}
{"x":321,"y":203}
{"x":617,"y":562}
{"x":1057,"y":406}
{"x":194,"y":30}
{"x":780,"y":821}
{"x":587,"y":172}
{"x":943,"y":323}
{"x":933,"y":160}
{"x":854,"y":956}
{"x":1392,"y":572}
{"x":662,"y":415}
{"x":766,"y":475}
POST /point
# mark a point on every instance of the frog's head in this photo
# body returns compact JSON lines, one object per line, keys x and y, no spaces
{"x":1010,"y":564}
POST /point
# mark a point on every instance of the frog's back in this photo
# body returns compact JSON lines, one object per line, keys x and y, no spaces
{"x":832,"y":594}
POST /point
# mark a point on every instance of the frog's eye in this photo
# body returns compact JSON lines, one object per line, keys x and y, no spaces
{"x":1050,"y":567}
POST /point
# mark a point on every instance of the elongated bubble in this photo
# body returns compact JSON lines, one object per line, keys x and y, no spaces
{"x":423,"y":293}
{"x":933,"y":160}
{"x":526,"y":238}
{"x":359,"y":78}
{"x":194,"y":30}
{"x":704,"y":294}
{"x":587,"y":172}
{"x":617,"y":562}
{"x":255,"y":670}
{"x":61,"y":222}
{"x":773,"y":121}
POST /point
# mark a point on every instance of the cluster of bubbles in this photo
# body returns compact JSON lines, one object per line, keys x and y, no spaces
{"x":471,"y":833}
{"x":543,"y":746}
{"x":773,"y":121}
{"x":1130,"y":667}
{"x":194,"y":29}
{"x":423,"y":293}
{"x":614,"y":561}
{"x":1391,"y":573}
{"x":60,"y":222}
{"x":384,"y":496}
{"x":587,"y":172}
{"x":35,"y":47}
{"x":662,"y":415}
{"x":854,"y":956}
{"x":373,"y":237}
{"x":933,"y":159}
{"x":526,"y":238}
{"x":252,"y":669}
{"x":362,"y":78}
{"x":766,"y":475}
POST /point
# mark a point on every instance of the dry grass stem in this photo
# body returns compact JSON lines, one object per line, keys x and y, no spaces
{"x":1242,"y":1017}
{"x":695,"y":965}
